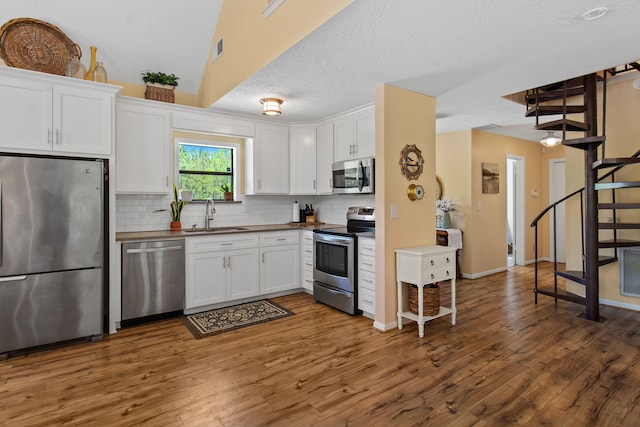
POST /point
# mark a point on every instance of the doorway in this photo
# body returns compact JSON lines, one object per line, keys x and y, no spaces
{"x":557,"y":192}
{"x":515,"y":245}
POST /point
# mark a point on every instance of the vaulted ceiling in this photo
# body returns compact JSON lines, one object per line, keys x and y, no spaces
{"x":466,"y":54}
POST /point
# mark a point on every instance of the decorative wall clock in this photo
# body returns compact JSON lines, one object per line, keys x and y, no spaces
{"x":411,"y":162}
{"x":415,"y":192}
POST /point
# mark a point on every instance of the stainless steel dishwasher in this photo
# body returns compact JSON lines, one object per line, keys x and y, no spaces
{"x":152,"y":278}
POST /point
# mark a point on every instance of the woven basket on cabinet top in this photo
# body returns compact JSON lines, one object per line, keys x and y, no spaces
{"x":36,"y":45}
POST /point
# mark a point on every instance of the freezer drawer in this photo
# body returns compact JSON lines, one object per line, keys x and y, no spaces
{"x":153,"y":278}
{"x":50,"y":307}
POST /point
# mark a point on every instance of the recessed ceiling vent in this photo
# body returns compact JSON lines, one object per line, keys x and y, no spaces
{"x":217,"y":50}
{"x":490,"y":126}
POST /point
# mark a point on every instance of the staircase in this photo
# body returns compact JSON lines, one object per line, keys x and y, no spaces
{"x":600,"y":176}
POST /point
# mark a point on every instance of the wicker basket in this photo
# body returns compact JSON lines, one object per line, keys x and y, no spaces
{"x":36,"y":45}
{"x":158,"y":92}
{"x":430,"y":300}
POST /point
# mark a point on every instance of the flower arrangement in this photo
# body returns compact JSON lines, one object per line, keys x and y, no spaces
{"x":445,"y":205}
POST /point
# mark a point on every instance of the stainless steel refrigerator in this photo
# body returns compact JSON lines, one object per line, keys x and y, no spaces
{"x":51,"y":250}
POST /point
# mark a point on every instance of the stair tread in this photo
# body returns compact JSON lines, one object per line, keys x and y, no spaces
{"x":569,"y":125}
{"x":618,"y":225}
{"x":562,"y":294}
{"x":617,"y":185}
{"x":618,"y":243}
{"x":614,"y":162}
{"x":604,"y":260}
{"x":573,"y":275}
{"x":552,"y":110}
{"x":618,"y":205}
{"x":551,"y":95}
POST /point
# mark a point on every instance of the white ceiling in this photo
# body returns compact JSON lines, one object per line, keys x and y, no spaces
{"x":467,"y":54}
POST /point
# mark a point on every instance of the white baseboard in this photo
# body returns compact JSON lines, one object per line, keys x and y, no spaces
{"x":484,"y":273}
{"x":619,"y":304}
{"x":385,"y":326}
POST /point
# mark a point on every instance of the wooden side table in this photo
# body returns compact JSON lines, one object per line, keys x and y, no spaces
{"x":420,"y":266}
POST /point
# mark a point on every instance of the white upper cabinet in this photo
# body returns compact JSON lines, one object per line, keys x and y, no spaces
{"x":354,"y":135}
{"x":143,"y":148}
{"x":302,"y":143}
{"x":324,"y":159}
{"x":51,"y":113}
{"x":267,"y":160}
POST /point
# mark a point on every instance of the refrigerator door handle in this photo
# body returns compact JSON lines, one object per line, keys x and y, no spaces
{"x":1,"y":232}
{"x":12,"y":278}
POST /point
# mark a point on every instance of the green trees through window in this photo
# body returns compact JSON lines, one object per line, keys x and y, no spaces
{"x":204,"y":169}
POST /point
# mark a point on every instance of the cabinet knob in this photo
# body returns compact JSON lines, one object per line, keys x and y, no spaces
{"x":432,"y":263}
{"x":433,"y":276}
{"x":448,"y":274}
{"x":447,"y":259}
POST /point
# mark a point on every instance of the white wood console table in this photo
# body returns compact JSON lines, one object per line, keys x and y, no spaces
{"x":420,"y":266}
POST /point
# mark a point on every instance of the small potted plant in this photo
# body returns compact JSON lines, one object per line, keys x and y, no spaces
{"x":160,"y":86}
{"x":228,"y":192}
{"x":176,"y":210}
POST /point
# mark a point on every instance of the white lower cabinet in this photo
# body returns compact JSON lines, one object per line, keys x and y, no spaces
{"x":367,"y":276}
{"x":233,"y":267}
{"x":280,"y":255}
{"x":306,"y":267}
{"x":221,"y":268}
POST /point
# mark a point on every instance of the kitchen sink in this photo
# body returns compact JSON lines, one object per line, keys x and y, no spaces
{"x":214,"y":229}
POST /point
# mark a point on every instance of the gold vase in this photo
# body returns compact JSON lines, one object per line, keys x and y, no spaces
{"x":92,"y":66}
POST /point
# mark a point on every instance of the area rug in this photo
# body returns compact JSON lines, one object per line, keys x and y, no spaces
{"x":220,"y":320}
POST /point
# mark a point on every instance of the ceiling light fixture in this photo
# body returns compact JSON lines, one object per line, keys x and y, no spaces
{"x":271,"y":106}
{"x":636,"y":84}
{"x":551,"y":140}
{"x":595,"y":13}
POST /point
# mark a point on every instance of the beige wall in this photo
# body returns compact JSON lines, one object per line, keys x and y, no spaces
{"x":453,"y":166}
{"x":482,"y":217}
{"x":402,"y":117}
{"x":251,"y":41}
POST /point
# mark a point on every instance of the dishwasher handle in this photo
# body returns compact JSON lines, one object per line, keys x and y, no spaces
{"x":148,"y":250}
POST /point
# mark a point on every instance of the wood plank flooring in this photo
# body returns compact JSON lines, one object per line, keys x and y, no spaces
{"x":506,"y":362}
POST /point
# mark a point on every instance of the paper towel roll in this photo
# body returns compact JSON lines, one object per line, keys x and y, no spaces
{"x":296,"y":212}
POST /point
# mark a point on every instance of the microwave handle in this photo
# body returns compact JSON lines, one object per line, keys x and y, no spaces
{"x":360,"y":175}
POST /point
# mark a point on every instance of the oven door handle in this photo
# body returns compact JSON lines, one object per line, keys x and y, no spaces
{"x":327,"y":238}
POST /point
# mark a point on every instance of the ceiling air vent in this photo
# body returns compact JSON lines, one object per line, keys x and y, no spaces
{"x":217,"y":50}
{"x":490,"y":126}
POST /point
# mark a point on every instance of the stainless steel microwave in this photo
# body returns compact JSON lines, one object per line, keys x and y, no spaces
{"x":354,"y":176}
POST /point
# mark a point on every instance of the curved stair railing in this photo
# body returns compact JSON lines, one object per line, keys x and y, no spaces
{"x":551,"y":100}
{"x":615,"y":225}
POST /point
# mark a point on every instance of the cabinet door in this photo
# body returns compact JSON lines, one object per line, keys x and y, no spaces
{"x":344,"y":139}
{"x":25,"y":114}
{"x":365,"y":141}
{"x":143,"y":149}
{"x":242,"y":274}
{"x":324,"y":159}
{"x":302,"y":143}
{"x":82,"y":120}
{"x":206,"y":279}
{"x":279,"y":269}
{"x":271,"y":160}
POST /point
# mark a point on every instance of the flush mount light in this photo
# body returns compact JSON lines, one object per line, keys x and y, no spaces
{"x":271,"y":106}
{"x":595,"y":13}
{"x":551,"y":140}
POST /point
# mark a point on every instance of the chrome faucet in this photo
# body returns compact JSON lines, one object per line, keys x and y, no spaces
{"x":208,"y":213}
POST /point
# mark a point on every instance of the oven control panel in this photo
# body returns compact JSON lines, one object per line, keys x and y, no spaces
{"x":362,"y":213}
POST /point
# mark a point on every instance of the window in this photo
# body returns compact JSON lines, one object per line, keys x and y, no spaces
{"x":206,"y":168}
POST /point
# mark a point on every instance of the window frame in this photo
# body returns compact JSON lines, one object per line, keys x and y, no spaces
{"x":210,"y":143}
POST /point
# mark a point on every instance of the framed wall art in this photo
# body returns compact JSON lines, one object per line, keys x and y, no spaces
{"x":490,"y":178}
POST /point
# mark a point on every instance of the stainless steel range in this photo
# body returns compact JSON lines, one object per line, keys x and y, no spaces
{"x":335,"y":260}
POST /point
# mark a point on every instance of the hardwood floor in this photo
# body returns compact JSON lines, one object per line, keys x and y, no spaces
{"x":506,"y":362}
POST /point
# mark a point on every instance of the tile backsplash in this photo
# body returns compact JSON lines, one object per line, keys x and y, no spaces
{"x":148,"y":212}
